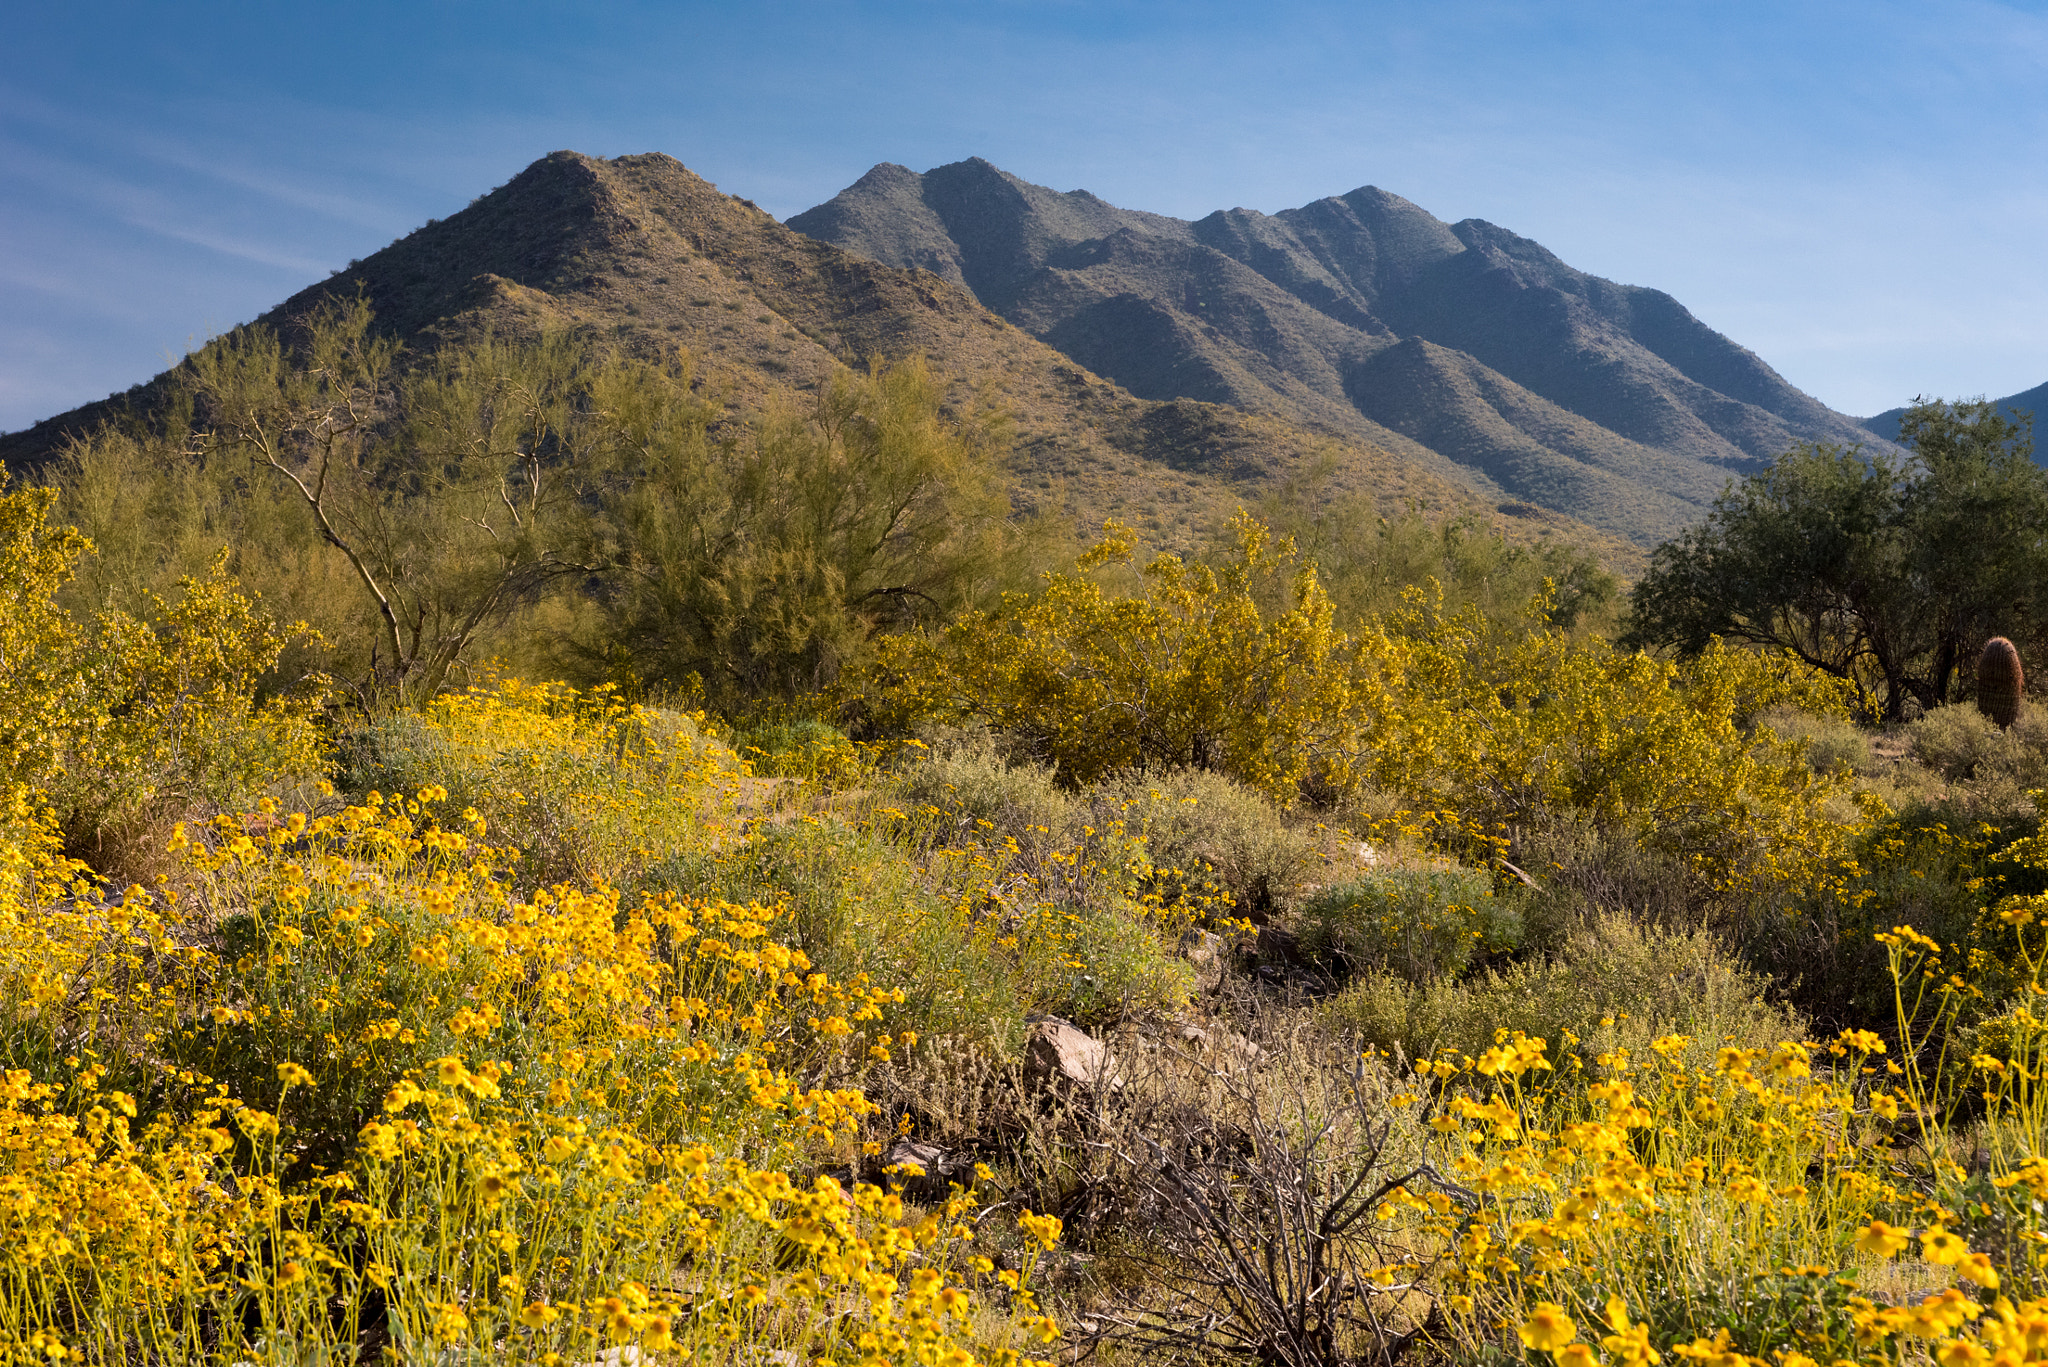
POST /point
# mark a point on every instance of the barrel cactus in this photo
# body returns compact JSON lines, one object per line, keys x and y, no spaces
{"x":1999,"y":681}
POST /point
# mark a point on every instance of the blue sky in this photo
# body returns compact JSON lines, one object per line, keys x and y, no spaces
{"x":1856,"y":191}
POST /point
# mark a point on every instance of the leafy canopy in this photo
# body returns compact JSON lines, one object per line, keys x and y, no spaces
{"x":1884,"y":573}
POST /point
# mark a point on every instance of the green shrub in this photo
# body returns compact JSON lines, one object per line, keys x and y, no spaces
{"x":799,"y":748}
{"x":1107,"y":968}
{"x":1053,"y":847}
{"x":1644,"y":983}
{"x":1583,"y":870}
{"x":962,"y":775}
{"x":1833,"y":744}
{"x":1206,"y":834}
{"x":859,"y":903}
{"x":1962,"y":744}
{"x":1419,"y":924}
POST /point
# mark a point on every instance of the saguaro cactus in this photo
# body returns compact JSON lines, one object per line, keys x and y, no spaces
{"x":1999,"y":680}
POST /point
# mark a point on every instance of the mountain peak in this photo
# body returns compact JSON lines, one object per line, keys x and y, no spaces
{"x":1583,"y":382}
{"x":641,"y":254}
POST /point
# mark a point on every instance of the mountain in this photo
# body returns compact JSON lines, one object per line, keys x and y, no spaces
{"x":2031,"y":402}
{"x":640,"y":253}
{"x":1469,"y":350}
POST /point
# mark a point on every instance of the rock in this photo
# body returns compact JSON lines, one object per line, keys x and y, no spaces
{"x":1223,"y":1047}
{"x":1207,"y":952}
{"x":1060,"y":1051}
{"x":1277,"y":946}
{"x":925,"y":1172}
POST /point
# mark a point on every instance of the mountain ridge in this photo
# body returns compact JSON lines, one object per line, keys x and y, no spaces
{"x":2030,"y":402}
{"x":641,"y":253}
{"x":1286,"y":314}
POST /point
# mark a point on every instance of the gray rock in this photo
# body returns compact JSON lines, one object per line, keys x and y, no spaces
{"x":1060,"y":1051}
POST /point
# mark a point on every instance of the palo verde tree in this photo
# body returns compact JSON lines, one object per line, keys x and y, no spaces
{"x":1187,"y":671}
{"x":454,"y":491}
{"x":764,"y":559}
{"x":410,"y":510}
{"x":1886,"y":573}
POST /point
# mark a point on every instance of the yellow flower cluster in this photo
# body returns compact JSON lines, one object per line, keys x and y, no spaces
{"x":344,"y":1068}
{"x":1696,"y":1168}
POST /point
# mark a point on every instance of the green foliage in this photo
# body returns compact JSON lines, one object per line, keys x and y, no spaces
{"x":1613,"y":983}
{"x":862,"y":908}
{"x":1834,"y":744}
{"x":1986,"y":772}
{"x":763,"y":562}
{"x":1879,"y":572}
{"x":1188,"y":671}
{"x":1419,"y":924}
{"x":420,"y":514}
{"x":1366,"y":562}
{"x":1215,"y":846}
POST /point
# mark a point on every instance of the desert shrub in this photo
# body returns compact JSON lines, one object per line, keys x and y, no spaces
{"x":580,"y":784}
{"x":1583,"y":868}
{"x":1102,"y":967}
{"x":1419,"y":924}
{"x":1206,"y":834}
{"x":1963,"y":745}
{"x":1039,"y":843}
{"x":1613,"y":983}
{"x":963,"y":775}
{"x":1834,"y":743}
{"x":187,"y":722}
{"x":861,"y":908}
{"x":1186,"y":671}
{"x":1268,"y":1203}
{"x":110,"y":732}
{"x":801,"y":747}
{"x":1485,"y":732}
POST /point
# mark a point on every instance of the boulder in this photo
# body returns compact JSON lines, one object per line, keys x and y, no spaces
{"x":1061,"y":1051}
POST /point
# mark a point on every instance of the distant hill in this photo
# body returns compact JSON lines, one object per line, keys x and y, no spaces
{"x":641,"y":253}
{"x":1469,"y":350}
{"x":2033,"y":401}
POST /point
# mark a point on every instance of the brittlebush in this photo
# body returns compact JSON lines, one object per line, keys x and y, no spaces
{"x":342,"y":1075}
{"x":1187,"y":671}
{"x":1476,"y":727}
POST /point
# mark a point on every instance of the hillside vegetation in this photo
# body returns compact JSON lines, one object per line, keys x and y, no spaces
{"x":638,"y":254}
{"x":909,"y":936}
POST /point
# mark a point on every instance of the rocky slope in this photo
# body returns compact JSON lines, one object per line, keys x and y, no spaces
{"x":1461,"y":346}
{"x":641,"y":253}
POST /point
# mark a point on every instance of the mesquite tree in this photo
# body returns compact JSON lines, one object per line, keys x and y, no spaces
{"x":1880,"y":570}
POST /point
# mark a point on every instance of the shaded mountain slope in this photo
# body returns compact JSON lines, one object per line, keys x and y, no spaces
{"x":1291,"y":315}
{"x":640,"y":253}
